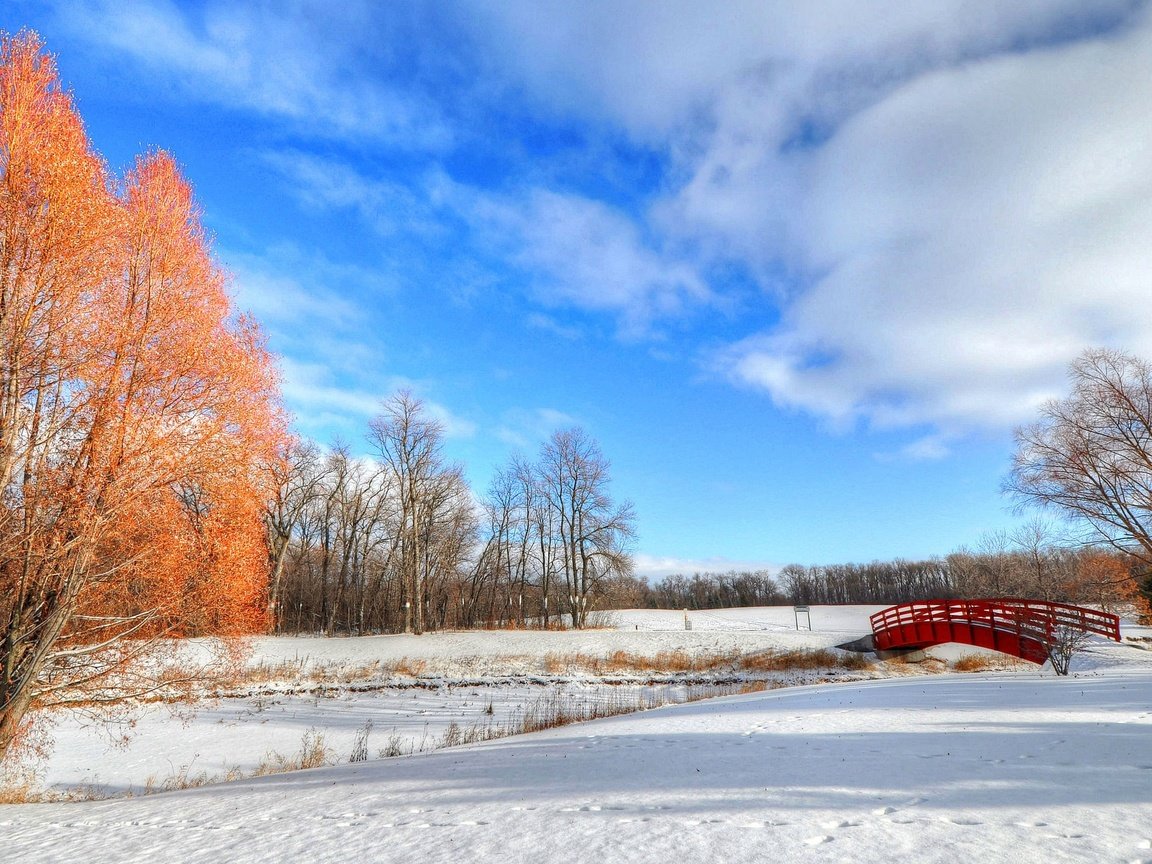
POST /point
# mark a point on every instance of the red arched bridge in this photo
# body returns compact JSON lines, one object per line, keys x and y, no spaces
{"x":1025,"y":628}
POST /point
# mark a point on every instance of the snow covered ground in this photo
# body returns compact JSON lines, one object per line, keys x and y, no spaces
{"x":1017,"y":766}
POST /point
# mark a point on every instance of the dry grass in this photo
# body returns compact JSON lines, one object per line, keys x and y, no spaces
{"x":300,"y":672}
{"x":314,"y":753}
{"x":681,"y":662}
{"x":550,"y":711}
{"x":409,"y":668}
{"x":791,"y":661}
{"x":21,"y":793}
{"x":554,"y":710}
{"x":900,"y":660}
{"x":185,"y":779}
{"x":971,"y":663}
{"x":987,"y":663}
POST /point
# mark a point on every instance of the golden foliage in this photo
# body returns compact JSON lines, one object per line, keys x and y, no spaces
{"x":137,"y":413}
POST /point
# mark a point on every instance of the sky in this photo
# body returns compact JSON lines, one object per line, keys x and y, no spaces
{"x":800,"y":269}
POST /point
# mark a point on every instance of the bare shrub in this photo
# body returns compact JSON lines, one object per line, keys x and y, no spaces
{"x":1063,"y":643}
{"x":185,"y":778}
{"x":314,"y":753}
{"x":21,"y":793}
{"x":680,"y":662}
{"x":396,"y":746}
{"x":360,"y":746}
{"x":854,"y":661}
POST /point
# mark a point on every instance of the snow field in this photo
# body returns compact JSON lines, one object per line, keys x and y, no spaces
{"x":1018,"y":766}
{"x":936,"y":769}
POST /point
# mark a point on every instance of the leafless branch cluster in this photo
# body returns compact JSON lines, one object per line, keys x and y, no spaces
{"x":1089,"y":456}
{"x":398,"y":542}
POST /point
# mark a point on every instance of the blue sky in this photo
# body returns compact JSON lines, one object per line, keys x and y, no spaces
{"x":799,"y":268}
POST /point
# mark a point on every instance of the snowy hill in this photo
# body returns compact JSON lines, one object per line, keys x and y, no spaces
{"x":1018,"y":766}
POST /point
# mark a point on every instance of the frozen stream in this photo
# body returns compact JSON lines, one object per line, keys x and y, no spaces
{"x":234,"y":736}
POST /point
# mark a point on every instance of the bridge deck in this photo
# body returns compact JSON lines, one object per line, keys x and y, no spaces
{"x":1024,"y":628}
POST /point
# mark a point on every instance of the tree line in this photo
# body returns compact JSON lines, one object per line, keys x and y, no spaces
{"x":397,"y":542}
{"x":1027,"y":566}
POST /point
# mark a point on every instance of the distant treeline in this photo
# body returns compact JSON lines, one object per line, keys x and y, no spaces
{"x":1048,"y":572}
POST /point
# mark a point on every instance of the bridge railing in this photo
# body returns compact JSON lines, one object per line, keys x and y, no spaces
{"x":1038,"y":618}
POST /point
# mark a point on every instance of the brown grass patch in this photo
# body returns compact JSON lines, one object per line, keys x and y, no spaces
{"x":681,"y":662}
{"x":21,"y":793}
{"x":314,"y":753}
{"x":988,"y":663}
{"x":971,"y":663}
{"x":299,"y":672}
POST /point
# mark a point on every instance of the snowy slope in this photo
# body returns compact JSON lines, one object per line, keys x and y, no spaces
{"x":1015,"y":767}
{"x":1021,"y":769}
{"x":645,"y":631}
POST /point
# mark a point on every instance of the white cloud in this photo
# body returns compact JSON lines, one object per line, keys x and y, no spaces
{"x":311,"y":68}
{"x":454,"y":425}
{"x":584,"y":254}
{"x":574,"y":251}
{"x":548,"y":324}
{"x":657,"y":69}
{"x":313,"y":390}
{"x":946,"y":201}
{"x":330,"y":343}
{"x":971,"y":234}
{"x":656,"y":567}
{"x":929,"y":448}
{"x":943,"y":201}
{"x":287,"y":289}
{"x":528,"y":428}
{"x":323,"y":399}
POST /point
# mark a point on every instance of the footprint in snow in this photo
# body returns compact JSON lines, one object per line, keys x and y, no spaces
{"x":883,"y":811}
{"x":819,"y":840}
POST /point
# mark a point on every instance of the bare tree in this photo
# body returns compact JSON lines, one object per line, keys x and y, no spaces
{"x":1036,"y":545}
{"x":1089,"y":456}
{"x":409,"y":444}
{"x":297,"y":479}
{"x":592,"y":531}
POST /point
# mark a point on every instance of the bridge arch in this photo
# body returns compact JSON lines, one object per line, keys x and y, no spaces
{"x":1024,"y":628}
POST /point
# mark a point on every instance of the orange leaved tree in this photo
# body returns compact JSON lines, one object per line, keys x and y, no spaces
{"x":137,"y":415}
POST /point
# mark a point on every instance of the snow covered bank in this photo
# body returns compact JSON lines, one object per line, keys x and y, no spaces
{"x":1021,"y":768}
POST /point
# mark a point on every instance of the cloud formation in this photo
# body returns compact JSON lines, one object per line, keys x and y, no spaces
{"x":326,"y":76}
{"x":931,"y":208}
{"x":965,"y":237}
{"x":944,"y":202}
